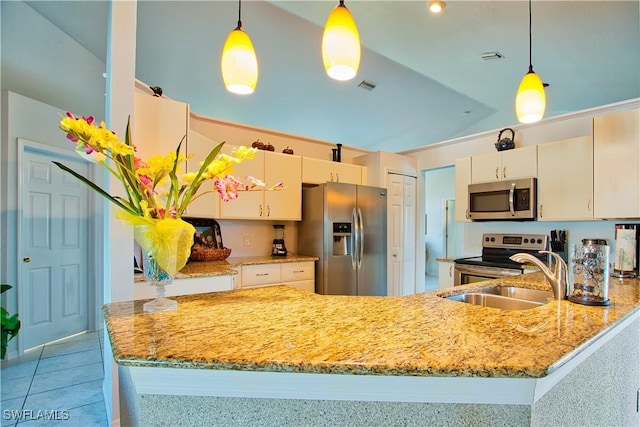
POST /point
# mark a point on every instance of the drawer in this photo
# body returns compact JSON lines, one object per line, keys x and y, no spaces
{"x":262,"y":274}
{"x":294,"y":271}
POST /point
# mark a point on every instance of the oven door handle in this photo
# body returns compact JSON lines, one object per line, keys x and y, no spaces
{"x":512,"y":193}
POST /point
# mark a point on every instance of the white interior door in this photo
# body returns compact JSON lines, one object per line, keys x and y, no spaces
{"x":53,"y":248}
{"x":409,"y":235}
{"x":401,"y":234}
{"x":395,"y":189}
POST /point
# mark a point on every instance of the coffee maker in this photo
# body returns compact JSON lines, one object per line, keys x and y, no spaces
{"x":626,"y":258}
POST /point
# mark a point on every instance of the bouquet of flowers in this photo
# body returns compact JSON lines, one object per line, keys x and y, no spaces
{"x":155,"y":193}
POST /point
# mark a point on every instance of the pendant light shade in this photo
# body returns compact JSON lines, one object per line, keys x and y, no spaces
{"x":531,"y":99}
{"x":239,"y":64}
{"x":341,"y":44}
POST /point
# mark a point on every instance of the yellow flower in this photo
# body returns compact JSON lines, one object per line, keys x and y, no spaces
{"x":242,"y":153}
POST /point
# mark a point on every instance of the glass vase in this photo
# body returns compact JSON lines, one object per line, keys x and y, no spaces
{"x":159,"y":279}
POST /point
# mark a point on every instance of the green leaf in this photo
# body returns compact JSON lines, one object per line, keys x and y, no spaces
{"x":96,"y":188}
{"x":4,"y":288}
{"x":191,"y":190}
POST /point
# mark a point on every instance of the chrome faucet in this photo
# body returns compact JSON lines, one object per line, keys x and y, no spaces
{"x":557,"y":277}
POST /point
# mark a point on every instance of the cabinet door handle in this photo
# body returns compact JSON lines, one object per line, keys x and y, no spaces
{"x":261,"y":274}
{"x":589,"y":206}
{"x":504,"y":171}
{"x":268,"y":210}
{"x":331,"y":174}
{"x":298,"y":271}
{"x":497,"y":176}
{"x":260,"y":210}
{"x":540,"y":213}
{"x":337,"y":177}
{"x":451,"y":271}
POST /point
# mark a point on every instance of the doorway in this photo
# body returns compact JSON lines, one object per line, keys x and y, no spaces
{"x":53,"y":254}
{"x":439,"y":196}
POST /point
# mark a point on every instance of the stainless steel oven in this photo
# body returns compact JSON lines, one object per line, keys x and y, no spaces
{"x":494,"y":262}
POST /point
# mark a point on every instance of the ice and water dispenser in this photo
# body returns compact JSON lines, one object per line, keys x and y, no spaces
{"x":342,"y":238}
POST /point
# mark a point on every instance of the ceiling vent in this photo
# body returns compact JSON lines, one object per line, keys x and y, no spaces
{"x":367,"y":85}
{"x":490,"y":56}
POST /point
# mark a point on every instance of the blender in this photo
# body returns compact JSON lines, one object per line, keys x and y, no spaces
{"x":278,"y":248}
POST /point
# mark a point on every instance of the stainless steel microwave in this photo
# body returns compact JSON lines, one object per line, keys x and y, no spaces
{"x":503,"y":200}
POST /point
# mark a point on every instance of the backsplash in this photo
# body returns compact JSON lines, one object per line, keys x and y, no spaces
{"x":260,"y":235}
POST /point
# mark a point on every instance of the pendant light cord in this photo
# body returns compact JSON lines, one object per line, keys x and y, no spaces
{"x":240,"y":21}
{"x":530,"y":61}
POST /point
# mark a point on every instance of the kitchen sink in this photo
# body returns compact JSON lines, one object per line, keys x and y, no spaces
{"x":504,"y":297}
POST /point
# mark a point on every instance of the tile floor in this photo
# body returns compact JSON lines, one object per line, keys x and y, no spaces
{"x":60,"y":380}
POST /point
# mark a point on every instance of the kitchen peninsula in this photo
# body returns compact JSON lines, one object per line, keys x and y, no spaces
{"x":281,"y":356}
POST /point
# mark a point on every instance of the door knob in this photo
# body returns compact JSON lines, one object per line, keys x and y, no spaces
{"x":26,"y":259}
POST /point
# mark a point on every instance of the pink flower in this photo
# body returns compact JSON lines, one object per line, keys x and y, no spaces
{"x":228,"y":187}
{"x":278,"y":186}
{"x":255,"y":182}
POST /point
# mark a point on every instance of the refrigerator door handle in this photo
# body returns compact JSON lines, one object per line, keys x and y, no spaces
{"x":354,"y":248}
{"x":361,"y":240}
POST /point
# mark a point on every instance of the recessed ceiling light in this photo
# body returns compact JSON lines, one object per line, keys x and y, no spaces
{"x":436,"y":6}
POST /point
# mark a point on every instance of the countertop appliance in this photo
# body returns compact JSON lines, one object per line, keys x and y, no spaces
{"x":626,"y":259}
{"x":494,"y":262}
{"x":345,"y":225}
{"x":503,"y":200}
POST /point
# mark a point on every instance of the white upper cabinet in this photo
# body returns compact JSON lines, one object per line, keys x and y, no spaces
{"x":158,"y":125}
{"x":206,"y":204}
{"x":316,"y":171}
{"x":504,"y":165}
{"x":616,"y":171}
{"x":284,"y":204}
{"x":463,"y":179}
{"x":565,"y":179}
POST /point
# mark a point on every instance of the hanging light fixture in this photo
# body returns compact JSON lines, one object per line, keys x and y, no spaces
{"x":239,"y":64}
{"x":341,"y":44}
{"x":530,"y":99}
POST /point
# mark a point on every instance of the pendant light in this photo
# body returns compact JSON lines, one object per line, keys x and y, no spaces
{"x":341,"y":44}
{"x":239,"y":64}
{"x":530,"y":99}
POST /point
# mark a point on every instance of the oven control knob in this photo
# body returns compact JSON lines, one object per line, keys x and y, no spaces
{"x":539,"y":241}
{"x":493,"y":239}
{"x":486,"y":239}
{"x":526,"y":240}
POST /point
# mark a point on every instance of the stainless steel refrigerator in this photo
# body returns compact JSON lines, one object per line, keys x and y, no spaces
{"x":345,"y":225}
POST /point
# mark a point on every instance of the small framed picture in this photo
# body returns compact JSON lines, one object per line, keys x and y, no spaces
{"x":207,"y":233}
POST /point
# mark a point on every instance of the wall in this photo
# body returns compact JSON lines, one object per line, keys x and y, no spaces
{"x":31,"y":109}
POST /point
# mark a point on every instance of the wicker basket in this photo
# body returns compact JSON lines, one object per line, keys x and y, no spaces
{"x":203,"y":253}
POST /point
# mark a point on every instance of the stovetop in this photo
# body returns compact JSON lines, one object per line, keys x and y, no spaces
{"x":497,"y":248}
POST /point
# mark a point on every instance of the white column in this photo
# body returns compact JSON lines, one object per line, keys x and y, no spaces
{"x":118,"y":246}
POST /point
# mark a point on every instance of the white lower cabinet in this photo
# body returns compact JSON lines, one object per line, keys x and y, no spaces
{"x":445,"y":274}
{"x":187,"y":286}
{"x":299,"y":275}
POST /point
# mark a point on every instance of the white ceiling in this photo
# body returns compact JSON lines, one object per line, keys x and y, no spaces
{"x":432,"y":84}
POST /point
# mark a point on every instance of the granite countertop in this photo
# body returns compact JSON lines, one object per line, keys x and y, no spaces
{"x":225,"y":267}
{"x":282,"y":329}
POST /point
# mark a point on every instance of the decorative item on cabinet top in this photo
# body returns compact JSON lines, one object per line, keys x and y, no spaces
{"x":207,"y":241}
{"x":506,"y":143}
